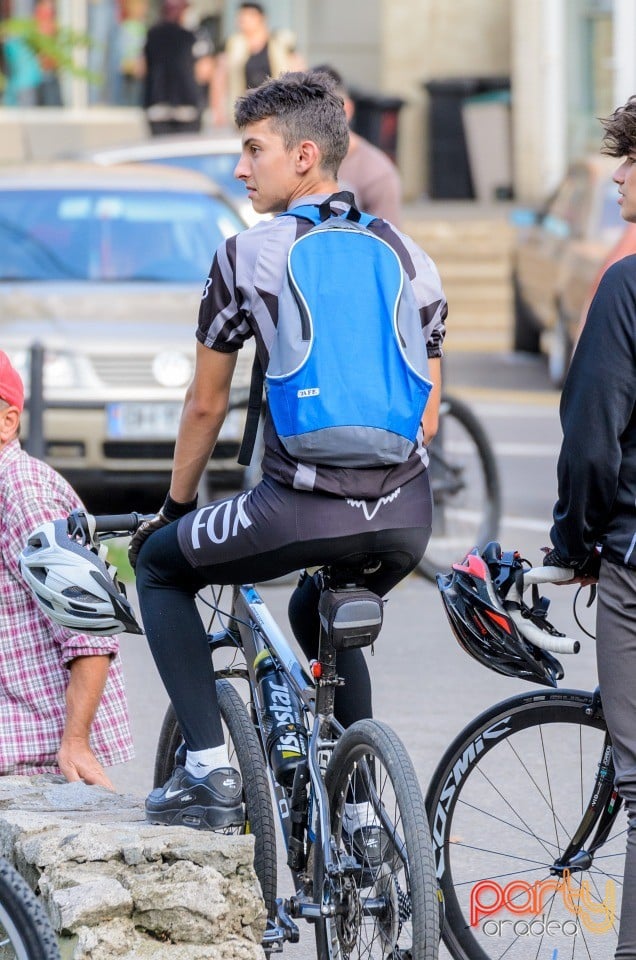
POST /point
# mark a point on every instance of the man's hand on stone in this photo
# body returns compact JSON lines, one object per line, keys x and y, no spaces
{"x":77,"y":761}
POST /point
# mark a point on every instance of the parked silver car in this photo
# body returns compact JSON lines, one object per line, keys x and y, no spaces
{"x":105,"y":268}
{"x":214,"y":155}
{"x":557,"y":257}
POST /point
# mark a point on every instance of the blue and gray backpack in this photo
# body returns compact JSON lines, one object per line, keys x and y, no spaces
{"x":346,"y":381}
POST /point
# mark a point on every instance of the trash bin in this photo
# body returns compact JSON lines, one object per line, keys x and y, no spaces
{"x":448,"y":165}
{"x":376,"y":119}
{"x":487,"y":128}
{"x":450,"y":173}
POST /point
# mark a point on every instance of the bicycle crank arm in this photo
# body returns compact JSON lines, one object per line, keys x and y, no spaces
{"x":281,"y":931}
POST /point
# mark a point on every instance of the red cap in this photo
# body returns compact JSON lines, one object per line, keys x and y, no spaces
{"x":11,"y":386}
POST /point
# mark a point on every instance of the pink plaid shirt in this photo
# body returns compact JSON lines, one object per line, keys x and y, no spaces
{"x":34,"y":651}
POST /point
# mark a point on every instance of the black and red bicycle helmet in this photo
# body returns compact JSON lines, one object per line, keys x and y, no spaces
{"x":473,"y":594}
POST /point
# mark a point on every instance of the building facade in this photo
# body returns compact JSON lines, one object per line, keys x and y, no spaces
{"x":568,"y":61}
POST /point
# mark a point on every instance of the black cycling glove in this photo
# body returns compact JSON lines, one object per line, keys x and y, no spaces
{"x":171,"y":510}
{"x":590,"y":567}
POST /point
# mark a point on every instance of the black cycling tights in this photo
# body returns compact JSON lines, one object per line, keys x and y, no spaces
{"x":167,"y":585}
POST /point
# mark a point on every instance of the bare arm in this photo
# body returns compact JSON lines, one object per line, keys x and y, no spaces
{"x":430,"y":420}
{"x":204,"y":411}
{"x":83,"y":695}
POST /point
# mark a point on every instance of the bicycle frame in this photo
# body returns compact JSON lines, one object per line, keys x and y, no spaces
{"x":252,"y":628}
{"x":325,"y":891}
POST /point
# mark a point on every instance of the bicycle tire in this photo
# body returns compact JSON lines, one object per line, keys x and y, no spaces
{"x":502,"y":804}
{"x":245,"y":753}
{"x":408,"y":924}
{"x":465,"y":487}
{"x":25,"y":930}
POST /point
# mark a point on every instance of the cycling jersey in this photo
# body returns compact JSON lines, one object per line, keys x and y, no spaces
{"x":240,"y":300}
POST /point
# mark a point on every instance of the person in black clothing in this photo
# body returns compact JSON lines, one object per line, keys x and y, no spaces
{"x":174,"y":74}
{"x":594,"y":528}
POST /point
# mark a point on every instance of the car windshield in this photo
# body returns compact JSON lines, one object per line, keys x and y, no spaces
{"x":218,"y":166}
{"x":111,"y":235}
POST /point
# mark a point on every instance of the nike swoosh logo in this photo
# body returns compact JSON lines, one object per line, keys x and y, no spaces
{"x":174,"y":793}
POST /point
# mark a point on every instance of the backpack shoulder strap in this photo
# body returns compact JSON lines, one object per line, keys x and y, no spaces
{"x":254,"y":407}
{"x":319,"y":213}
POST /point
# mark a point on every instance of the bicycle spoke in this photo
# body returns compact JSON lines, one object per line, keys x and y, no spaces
{"x":507,"y":823}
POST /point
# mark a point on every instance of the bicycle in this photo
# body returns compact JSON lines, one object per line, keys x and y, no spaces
{"x":529,"y":845}
{"x":360,"y":904}
{"x":465,"y":486}
{"x":25,"y":929}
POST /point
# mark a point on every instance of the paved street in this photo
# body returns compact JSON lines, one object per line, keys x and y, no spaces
{"x":424,"y":685}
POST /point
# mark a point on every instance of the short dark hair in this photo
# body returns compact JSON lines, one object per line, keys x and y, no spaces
{"x":253,"y":6}
{"x":620,"y":130}
{"x":301,"y":106}
{"x":335,"y":75}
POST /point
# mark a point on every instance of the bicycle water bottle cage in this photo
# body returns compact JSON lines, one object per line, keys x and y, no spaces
{"x":350,"y":617}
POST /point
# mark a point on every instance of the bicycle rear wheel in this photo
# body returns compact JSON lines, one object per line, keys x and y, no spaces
{"x":247,"y":756}
{"x":387,"y":909}
{"x":465,"y":486}
{"x":25,"y":930}
{"x":504,"y":802}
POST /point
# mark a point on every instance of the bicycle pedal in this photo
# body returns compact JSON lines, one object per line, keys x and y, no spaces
{"x":280,"y":931}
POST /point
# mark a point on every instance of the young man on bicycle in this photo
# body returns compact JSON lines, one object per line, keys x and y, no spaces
{"x":597,"y":492}
{"x":295,"y":134}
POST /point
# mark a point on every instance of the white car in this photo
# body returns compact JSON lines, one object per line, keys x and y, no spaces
{"x":105,"y":269}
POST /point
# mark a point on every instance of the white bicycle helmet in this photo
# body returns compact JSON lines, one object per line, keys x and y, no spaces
{"x":73,"y":585}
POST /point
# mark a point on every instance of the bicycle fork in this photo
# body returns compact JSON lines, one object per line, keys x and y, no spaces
{"x":601,"y":812}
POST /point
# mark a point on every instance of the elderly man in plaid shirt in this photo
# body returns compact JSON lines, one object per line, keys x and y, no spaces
{"x":62,"y":700}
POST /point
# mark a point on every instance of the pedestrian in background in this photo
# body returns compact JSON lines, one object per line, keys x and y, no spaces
{"x":132,"y":38}
{"x":62,"y":701}
{"x":22,"y":72}
{"x":174,"y":74}
{"x":251,"y":55}
{"x":47,"y":93}
{"x":366,"y":170}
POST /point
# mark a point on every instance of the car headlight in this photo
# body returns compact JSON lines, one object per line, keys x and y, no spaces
{"x":172,"y":369}
{"x":60,"y":369}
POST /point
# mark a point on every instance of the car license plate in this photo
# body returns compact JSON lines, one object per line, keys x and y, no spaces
{"x":134,"y":421}
{"x":140,"y":420}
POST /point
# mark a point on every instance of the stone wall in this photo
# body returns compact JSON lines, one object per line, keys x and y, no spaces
{"x":115,"y":886}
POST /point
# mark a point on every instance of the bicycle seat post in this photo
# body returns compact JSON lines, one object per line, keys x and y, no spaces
{"x":350,"y":616}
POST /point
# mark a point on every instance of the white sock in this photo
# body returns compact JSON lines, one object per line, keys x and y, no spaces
{"x":358,"y":815}
{"x":201,"y":762}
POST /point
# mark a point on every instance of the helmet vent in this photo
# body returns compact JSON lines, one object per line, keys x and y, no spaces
{"x":81,"y":596}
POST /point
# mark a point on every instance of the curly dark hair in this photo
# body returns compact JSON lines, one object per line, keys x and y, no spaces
{"x":619,"y":138}
{"x":301,"y":106}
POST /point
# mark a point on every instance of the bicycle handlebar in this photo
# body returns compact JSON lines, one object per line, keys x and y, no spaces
{"x":547,"y":575}
{"x":87,"y":527}
{"x":532,"y":633}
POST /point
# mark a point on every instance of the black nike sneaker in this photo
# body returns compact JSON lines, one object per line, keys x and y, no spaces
{"x":208,"y":803}
{"x":372,"y":848}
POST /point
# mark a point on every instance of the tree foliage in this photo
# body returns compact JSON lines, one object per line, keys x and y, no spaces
{"x":60,"y":48}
